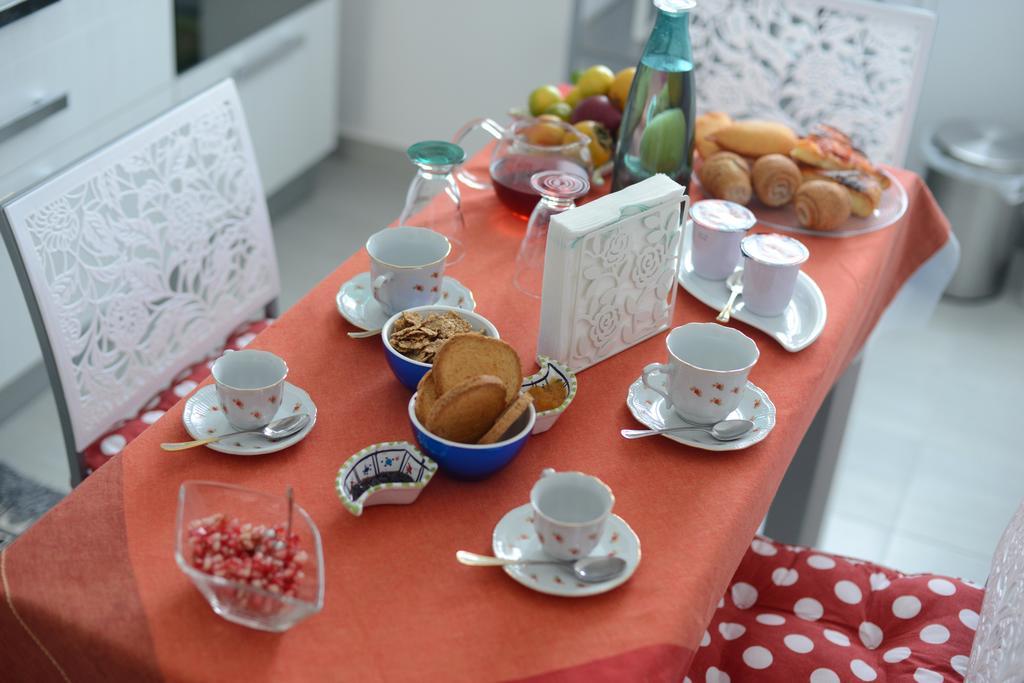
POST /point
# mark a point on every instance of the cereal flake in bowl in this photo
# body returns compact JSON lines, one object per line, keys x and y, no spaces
{"x":412,"y":338}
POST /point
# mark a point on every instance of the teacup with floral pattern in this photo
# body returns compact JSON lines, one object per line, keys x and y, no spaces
{"x":249,"y":385}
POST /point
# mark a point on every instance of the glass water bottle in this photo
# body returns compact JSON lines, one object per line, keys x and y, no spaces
{"x":656,"y":134}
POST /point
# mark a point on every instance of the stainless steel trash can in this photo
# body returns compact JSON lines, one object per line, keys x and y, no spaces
{"x":976,"y":172}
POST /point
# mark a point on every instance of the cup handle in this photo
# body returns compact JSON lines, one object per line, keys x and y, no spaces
{"x":492,"y":128}
{"x":377,"y":285}
{"x":653,"y":369}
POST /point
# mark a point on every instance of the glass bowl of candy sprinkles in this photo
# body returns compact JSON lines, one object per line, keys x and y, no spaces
{"x":256,"y":563}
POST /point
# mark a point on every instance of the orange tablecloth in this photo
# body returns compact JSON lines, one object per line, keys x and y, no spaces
{"x":92,"y":589}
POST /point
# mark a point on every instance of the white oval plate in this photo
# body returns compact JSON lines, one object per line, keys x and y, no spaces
{"x":514,"y":539}
{"x":204,"y":417}
{"x":799,"y":325}
{"x":890,"y":209}
{"x":356,"y":303}
{"x":652,"y":410}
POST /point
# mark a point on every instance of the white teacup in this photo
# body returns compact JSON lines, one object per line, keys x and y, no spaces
{"x":707,"y":371}
{"x":407,"y":267}
{"x":249,"y":385}
{"x":570,"y":510}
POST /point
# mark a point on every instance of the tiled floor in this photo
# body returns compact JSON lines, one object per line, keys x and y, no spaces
{"x":932,"y":465}
{"x":931,"y":468}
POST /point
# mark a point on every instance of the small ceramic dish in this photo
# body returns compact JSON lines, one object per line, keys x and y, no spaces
{"x":408,"y":371}
{"x":473,"y":460}
{"x":550,"y":372}
{"x":370,"y":477}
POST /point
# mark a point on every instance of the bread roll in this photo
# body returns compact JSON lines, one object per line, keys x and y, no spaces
{"x":776,"y":179}
{"x":755,"y":138}
{"x":705,"y":126}
{"x":725,"y":176}
{"x":821,"y":205}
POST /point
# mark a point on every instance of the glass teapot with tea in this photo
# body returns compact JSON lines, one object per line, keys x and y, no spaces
{"x":523,"y":148}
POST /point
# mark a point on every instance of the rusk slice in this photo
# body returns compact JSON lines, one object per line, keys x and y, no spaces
{"x":464,"y":413}
{"x":426,"y":397}
{"x":507,"y":418}
{"x":470,"y":355}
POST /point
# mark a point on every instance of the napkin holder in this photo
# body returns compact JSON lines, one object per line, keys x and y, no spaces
{"x":610,"y":272}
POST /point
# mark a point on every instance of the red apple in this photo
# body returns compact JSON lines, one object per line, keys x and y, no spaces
{"x":598,"y":108}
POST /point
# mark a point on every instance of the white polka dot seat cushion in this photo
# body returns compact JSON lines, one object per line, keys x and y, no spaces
{"x":111,"y":443}
{"x":796,"y":614}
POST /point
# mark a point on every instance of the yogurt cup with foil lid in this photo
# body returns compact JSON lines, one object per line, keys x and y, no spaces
{"x":771,"y":249}
{"x":718,"y":227}
{"x":719,"y":214}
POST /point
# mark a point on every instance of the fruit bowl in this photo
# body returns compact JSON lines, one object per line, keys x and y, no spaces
{"x":246,"y":603}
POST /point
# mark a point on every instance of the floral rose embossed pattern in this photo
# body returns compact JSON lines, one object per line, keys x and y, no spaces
{"x":149,"y":254}
{"x":626,"y":284}
{"x":801,"y":63}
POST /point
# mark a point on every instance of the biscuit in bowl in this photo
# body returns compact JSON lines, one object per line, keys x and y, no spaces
{"x":470,"y":355}
{"x":468,"y":410}
{"x":505,"y":421}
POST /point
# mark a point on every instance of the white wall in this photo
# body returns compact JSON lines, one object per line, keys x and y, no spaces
{"x":975,"y":67}
{"x":418,"y":70}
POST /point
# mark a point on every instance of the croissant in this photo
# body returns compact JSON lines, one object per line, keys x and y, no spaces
{"x":776,"y":179}
{"x":725,"y":176}
{"x":865,"y":192}
{"x":821,"y":205}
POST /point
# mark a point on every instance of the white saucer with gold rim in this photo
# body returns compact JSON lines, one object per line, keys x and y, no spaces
{"x":356,"y":303}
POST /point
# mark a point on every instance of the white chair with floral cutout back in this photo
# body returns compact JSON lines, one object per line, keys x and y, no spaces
{"x":856,"y":65}
{"x":139,"y":264}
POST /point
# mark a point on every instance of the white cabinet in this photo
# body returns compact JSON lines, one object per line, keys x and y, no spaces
{"x":108,"y":65}
{"x":287,"y":80}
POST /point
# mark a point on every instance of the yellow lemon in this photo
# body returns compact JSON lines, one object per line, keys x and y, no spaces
{"x":543,"y":98}
{"x":595,"y":81}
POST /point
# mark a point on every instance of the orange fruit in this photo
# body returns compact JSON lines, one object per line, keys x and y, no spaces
{"x":618,"y":93}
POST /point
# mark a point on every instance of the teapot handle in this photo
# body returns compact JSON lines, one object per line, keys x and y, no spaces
{"x":492,"y":128}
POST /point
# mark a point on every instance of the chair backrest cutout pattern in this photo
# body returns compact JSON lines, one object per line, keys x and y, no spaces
{"x":998,"y":650}
{"x":144,"y":256}
{"x":858,"y":66}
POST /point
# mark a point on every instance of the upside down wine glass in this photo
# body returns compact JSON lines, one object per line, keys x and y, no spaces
{"x":433,"y":199}
{"x":558,"y":191}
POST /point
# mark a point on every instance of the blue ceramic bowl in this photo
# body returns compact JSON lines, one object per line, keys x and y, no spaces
{"x":472,"y":460}
{"x":408,"y":371}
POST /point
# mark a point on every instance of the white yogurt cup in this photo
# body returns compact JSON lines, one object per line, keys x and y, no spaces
{"x":718,"y":228}
{"x":771,"y":264}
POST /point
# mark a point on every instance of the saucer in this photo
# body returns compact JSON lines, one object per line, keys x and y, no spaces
{"x":799,"y":325}
{"x":357,"y":305}
{"x":514,"y":538}
{"x":203,"y":418}
{"x":649,"y":407}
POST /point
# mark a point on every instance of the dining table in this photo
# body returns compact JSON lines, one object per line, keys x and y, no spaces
{"x":92,"y":590}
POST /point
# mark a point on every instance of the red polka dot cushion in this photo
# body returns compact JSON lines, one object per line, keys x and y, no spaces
{"x":796,"y":614}
{"x":121,"y":434}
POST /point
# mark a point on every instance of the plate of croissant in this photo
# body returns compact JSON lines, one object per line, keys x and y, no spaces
{"x":819,"y":184}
